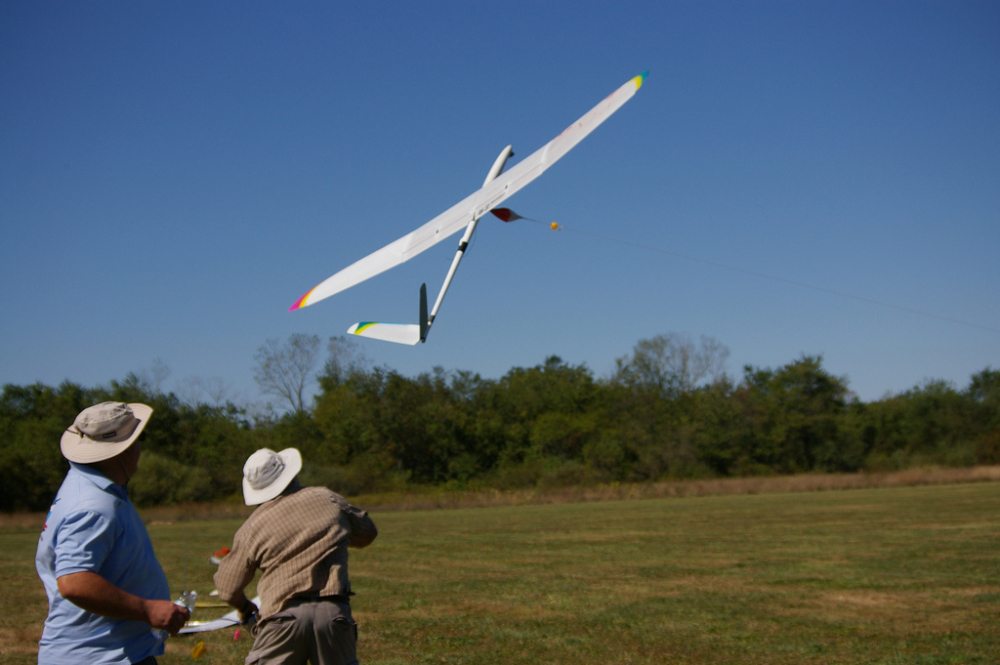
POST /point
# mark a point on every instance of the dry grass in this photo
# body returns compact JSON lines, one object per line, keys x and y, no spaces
{"x":157,"y":515}
{"x":429,"y":499}
{"x":807,"y":482}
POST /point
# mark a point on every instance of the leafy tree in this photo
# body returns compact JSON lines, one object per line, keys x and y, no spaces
{"x":164,"y":481}
{"x":930,"y":424}
{"x":345,"y":360}
{"x":530,"y":401}
{"x":32,"y":420}
{"x":793,"y":419}
{"x":668,"y":411}
{"x":984,"y":391}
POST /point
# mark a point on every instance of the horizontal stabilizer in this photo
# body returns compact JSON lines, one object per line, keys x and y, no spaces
{"x":400,"y":333}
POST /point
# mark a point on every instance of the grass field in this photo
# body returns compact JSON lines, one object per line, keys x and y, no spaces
{"x":895,"y":575}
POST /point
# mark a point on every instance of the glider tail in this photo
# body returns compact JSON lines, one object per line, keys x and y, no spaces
{"x":400,"y":333}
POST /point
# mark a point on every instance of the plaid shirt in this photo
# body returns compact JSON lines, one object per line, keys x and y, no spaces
{"x":300,"y":542}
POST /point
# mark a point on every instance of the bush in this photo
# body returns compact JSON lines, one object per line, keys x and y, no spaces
{"x":988,"y":448}
{"x":163,"y":481}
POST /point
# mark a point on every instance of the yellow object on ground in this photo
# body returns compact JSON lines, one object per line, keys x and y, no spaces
{"x":199,"y":650}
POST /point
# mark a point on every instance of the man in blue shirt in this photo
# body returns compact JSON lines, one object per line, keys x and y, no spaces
{"x":107,"y":592}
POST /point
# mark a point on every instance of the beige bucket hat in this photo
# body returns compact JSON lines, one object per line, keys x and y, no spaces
{"x":102,"y":431}
{"x":267,"y":473}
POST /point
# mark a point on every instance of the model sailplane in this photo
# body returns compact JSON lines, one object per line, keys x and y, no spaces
{"x":226,"y":621}
{"x":497,"y":188}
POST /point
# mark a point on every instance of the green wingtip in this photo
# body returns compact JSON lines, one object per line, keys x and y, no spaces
{"x":640,"y":79}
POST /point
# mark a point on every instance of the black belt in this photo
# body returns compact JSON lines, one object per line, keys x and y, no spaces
{"x":336,"y":599}
{"x":300,"y":600}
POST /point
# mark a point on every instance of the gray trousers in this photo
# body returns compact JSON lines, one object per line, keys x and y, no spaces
{"x":321,"y":632}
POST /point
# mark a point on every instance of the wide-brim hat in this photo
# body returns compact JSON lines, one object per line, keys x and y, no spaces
{"x":102,"y":431}
{"x":266,"y":474}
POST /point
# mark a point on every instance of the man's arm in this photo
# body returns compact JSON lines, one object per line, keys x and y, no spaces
{"x":235,"y":572}
{"x":95,"y":594}
{"x":363,"y":529}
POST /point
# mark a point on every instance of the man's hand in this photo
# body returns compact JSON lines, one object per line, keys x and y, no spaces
{"x":166,"y":615}
{"x":248,"y":612}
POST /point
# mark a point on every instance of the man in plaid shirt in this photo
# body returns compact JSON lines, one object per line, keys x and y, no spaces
{"x":298,"y":538}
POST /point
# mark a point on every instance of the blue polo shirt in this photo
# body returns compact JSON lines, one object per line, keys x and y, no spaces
{"x":93,"y":527}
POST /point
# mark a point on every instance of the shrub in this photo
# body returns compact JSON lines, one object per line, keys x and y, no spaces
{"x":163,"y":481}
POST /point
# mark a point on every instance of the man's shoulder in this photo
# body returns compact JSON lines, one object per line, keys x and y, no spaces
{"x":305,"y":500}
{"x":78,"y":494}
{"x":278,"y":511}
{"x":304,"y":495}
{"x":81,"y":516}
{"x":279,"y":506}
{"x":319,"y":492}
{"x":323,"y":496}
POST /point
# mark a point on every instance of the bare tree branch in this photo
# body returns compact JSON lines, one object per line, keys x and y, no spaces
{"x":284,"y":370}
{"x":217,"y":389}
{"x":190,"y":390}
{"x":672,"y":363}
{"x":151,"y":380}
{"x":345,"y":358}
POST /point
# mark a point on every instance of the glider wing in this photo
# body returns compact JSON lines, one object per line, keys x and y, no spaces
{"x":473,"y":206}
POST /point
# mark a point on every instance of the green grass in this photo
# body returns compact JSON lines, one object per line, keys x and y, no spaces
{"x":899,"y":575}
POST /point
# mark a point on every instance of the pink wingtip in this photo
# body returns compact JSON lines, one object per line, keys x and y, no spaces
{"x":301,"y":302}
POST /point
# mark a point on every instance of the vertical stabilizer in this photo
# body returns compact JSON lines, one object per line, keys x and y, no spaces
{"x":424,"y":326}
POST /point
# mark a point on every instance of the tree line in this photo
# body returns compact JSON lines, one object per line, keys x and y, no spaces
{"x":668,"y":411}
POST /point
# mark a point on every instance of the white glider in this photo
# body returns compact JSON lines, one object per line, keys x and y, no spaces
{"x":466,"y":213}
{"x":226,"y":621}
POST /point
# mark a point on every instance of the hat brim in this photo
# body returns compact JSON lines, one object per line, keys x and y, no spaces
{"x":80,"y":448}
{"x":293,"y":464}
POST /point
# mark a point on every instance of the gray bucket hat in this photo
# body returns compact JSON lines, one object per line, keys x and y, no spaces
{"x":102,"y":431}
{"x":266,"y":474}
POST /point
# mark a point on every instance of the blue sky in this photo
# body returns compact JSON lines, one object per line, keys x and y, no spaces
{"x":173,"y":176}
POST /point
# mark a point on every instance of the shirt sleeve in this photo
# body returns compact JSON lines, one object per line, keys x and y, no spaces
{"x":235,"y":572}
{"x":83,"y":542}
{"x":363,"y":529}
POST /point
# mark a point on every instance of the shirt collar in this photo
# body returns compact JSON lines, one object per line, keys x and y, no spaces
{"x":99,"y":479}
